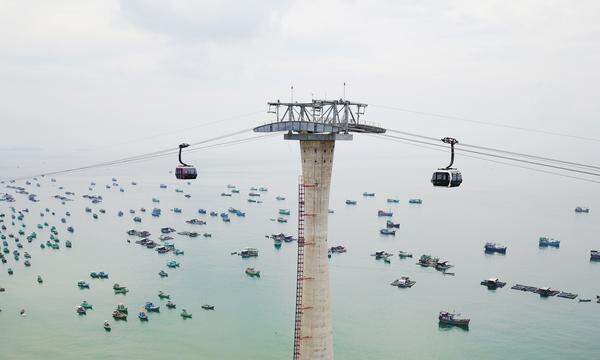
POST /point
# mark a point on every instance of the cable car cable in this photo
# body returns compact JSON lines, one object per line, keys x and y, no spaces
{"x":501,"y":151}
{"x":498,"y":156}
{"x":514,"y":127}
{"x":491,"y":160}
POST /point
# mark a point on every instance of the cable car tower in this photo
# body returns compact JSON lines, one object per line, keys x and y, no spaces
{"x":317,"y":125}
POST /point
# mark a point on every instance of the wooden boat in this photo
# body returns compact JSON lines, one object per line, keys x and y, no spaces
{"x":252,"y":272}
{"x":387,"y":232}
{"x":403,"y":282}
{"x":122,"y":308}
{"x":493,"y":283}
{"x":185,"y":314}
{"x":86,"y":305}
{"x":117,"y":315}
{"x":208,"y":307}
{"x":151,"y":307}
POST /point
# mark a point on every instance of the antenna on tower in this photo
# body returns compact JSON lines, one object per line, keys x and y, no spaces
{"x":344,"y":97}
{"x":292,"y":93}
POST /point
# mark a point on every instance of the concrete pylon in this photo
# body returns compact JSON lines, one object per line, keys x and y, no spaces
{"x":316,"y":333}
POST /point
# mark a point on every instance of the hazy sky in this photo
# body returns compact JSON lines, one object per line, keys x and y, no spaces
{"x":93,"y":74}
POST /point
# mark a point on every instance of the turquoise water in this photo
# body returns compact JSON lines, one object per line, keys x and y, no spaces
{"x":254,"y":317}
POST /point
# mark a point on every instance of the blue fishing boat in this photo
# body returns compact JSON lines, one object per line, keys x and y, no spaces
{"x":384,"y":213}
{"x":142,"y":316}
{"x":415,"y":201}
{"x":156,"y":212}
{"x":177,"y":210}
{"x":163,"y":186}
{"x":580,"y":209}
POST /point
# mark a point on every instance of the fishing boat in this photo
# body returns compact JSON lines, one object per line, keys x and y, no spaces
{"x":172,"y":264}
{"x":156,"y":212}
{"x":595,"y":255}
{"x":95,"y":216}
{"x":547,"y":291}
{"x":252,"y":272}
{"x":427,"y":261}
{"x":226,"y":194}
{"x":39,"y":279}
{"x":544,"y":241}
{"x":493,"y":283}
{"x":384,"y":213}
{"x":83,"y":285}
{"x":163,"y":295}
{"x":120,"y":213}
{"x":163,"y":273}
{"x":393,"y":201}
{"x":10,"y":271}
{"x":491,"y":248}
{"x":185,"y":314}
{"x":368,"y":194}
{"x":163,"y":186}
{"x":137,"y":219}
{"x":86,"y":305}
{"x":415,"y":201}
{"x":404,"y":255}
{"x":177,"y":210}
{"x":350,"y":202}
{"x":448,"y":318}
{"x":107,"y":326}
{"x":387,"y":231}
{"x":150,"y":307}
{"x":117,"y":315}
{"x":281,"y":220}
{"x":442,"y":266}
{"x":27,"y":263}
{"x":122,"y":308}
{"x":208,"y":307}
{"x":403,"y":282}
{"x":171,"y":305}
{"x":235,"y":191}
{"x":279,"y":198}
{"x":580,"y":209}
{"x":284,"y":211}
{"x":142,"y":316}
{"x":80,"y":310}
{"x":248,"y":252}
{"x":391,"y":225}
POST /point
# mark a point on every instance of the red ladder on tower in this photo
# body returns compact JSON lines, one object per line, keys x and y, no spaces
{"x":299,"y":272}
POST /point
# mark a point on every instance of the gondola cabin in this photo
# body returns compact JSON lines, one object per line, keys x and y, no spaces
{"x":185,"y":172}
{"x":446,"y":178}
